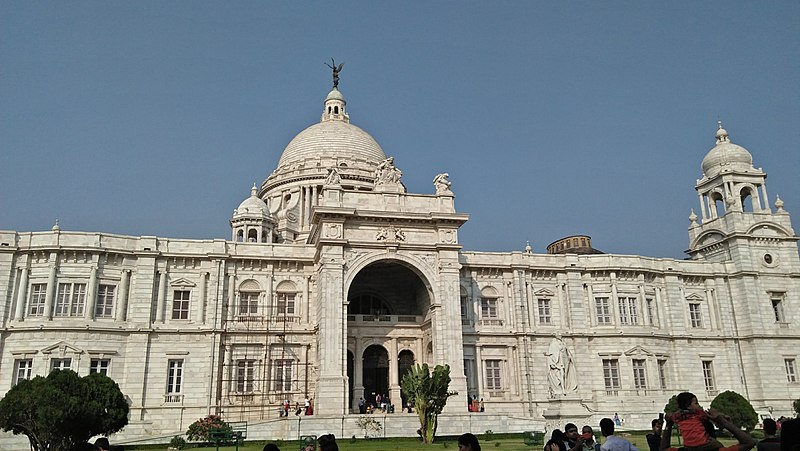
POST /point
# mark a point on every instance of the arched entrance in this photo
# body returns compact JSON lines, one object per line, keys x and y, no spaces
{"x":375,"y":373}
{"x":388,"y":320}
{"x":405,"y":360}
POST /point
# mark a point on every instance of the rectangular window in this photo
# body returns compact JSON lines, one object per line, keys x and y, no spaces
{"x":99,"y":366}
{"x":60,"y":364}
{"x":611,"y":376}
{"x":627,"y":311}
{"x":104,"y":308}
{"x":603,"y":310}
{"x":285,"y":304}
{"x":36,"y":304}
{"x":283,"y":375}
{"x":791,"y":374}
{"x":544,"y":311}
{"x":70,"y":299}
{"x":180,"y":304}
{"x":245,"y":376}
{"x":662,"y":374}
{"x":22,"y":370}
{"x":174,"y":376}
{"x":651,"y":319}
{"x":493,"y":381}
{"x":248,"y":303}
{"x":695,"y":317}
{"x":708,"y":375}
{"x":777,"y":307}
{"x":488,"y":308}
{"x":639,"y":375}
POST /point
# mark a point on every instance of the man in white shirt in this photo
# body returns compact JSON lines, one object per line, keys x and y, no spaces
{"x":613,"y":442}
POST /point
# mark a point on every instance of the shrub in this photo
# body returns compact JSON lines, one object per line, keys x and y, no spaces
{"x":737,"y":408}
{"x":200,"y":429}
{"x":796,"y":405}
{"x":177,"y":442}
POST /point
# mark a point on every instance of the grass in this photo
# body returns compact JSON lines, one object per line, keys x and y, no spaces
{"x":493,"y":442}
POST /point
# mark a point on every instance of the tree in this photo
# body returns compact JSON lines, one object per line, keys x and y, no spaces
{"x":428,"y":392}
{"x":63,"y":409}
{"x":672,"y":405}
{"x":737,"y":408}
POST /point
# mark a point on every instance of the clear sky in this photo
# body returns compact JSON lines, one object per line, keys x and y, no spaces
{"x":552,"y":118}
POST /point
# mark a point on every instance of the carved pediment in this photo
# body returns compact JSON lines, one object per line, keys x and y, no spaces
{"x":695,"y":297}
{"x":61,"y":348}
{"x":544,"y":292}
{"x":182,"y":282}
{"x":638,"y":350}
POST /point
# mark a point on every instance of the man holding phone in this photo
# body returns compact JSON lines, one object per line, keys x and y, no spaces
{"x":585,"y":441}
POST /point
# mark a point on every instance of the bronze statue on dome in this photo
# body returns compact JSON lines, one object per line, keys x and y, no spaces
{"x":336,"y":69}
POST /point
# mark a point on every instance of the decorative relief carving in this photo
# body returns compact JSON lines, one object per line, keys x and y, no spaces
{"x":447,"y":236}
{"x":333,"y":231}
{"x":390,"y":234}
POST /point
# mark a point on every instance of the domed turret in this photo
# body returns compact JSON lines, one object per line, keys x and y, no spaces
{"x":726,"y":156}
{"x":252,"y":221}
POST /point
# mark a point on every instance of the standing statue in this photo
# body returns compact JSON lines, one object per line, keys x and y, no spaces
{"x":336,"y":70}
{"x":441,"y":184}
{"x":561,"y":375}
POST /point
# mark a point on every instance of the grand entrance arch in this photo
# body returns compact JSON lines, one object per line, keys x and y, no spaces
{"x":375,"y":373}
{"x":388,"y":324}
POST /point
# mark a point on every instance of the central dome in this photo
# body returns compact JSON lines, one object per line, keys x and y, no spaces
{"x":335,"y":140}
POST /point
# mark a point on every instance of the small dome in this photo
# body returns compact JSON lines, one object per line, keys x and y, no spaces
{"x":332,"y":139}
{"x":726,"y":156}
{"x":335,"y":94}
{"x":252,"y":206}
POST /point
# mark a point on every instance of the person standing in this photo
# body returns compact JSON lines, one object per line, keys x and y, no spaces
{"x":770,"y":441}
{"x":613,"y":442}
{"x":654,"y":437}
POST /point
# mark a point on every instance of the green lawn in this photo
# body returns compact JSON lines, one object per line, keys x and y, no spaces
{"x":505,"y":442}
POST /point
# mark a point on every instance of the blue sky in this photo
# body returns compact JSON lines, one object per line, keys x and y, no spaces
{"x":552,"y":118}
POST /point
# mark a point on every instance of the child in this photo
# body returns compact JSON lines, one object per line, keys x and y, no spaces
{"x":692,"y":421}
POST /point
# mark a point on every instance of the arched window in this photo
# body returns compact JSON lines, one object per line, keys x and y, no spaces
{"x":240,"y":235}
{"x":746,"y":197}
{"x":252,"y":236}
{"x":286,"y":298}
{"x":489,"y":305}
{"x":249,"y":294}
{"x":336,"y":110}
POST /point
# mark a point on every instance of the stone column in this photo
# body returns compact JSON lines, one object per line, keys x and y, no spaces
{"x":50,"y":294}
{"x":22,"y":294}
{"x":162,"y":289}
{"x":199,"y":318}
{"x":231,"y":311}
{"x":332,"y":338}
{"x":91,"y":292}
{"x":358,"y":374}
{"x":767,"y":207}
{"x":227,"y":371}
{"x":394,"y":377}
{"x":122,"y":304}
{"x":613,"y":302}
{"x":479,"y":369}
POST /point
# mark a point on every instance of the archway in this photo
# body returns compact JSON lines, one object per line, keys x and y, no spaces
{"x":405,"y":360}
{"x":375,"y":372}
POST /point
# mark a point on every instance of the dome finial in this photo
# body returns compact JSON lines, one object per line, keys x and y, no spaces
{"x":253,"y":190}
{"x":336,"y":69}
{"x":56,"y":227}
{"x":722,"y":134}
{"x":528,"y":248}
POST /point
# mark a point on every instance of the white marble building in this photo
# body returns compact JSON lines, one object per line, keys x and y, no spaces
{"x":336,"y":279}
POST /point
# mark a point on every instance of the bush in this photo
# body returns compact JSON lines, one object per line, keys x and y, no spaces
{"x":796,"y":405}
{"x":200,"y":429}
{"x":737,"y":408}
{"x":177,"y":442}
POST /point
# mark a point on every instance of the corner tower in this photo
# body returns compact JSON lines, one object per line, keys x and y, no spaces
{"x":736,"y":222}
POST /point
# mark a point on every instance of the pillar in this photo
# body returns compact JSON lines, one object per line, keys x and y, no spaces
{"x":122,"y":304}
{"x":50,"y":294}
{"x":394,"y":370}
{"x":162,"y":289}
{"x":22,"y":294}
{"x":199,"y":318}
{"x":91,"y":292}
